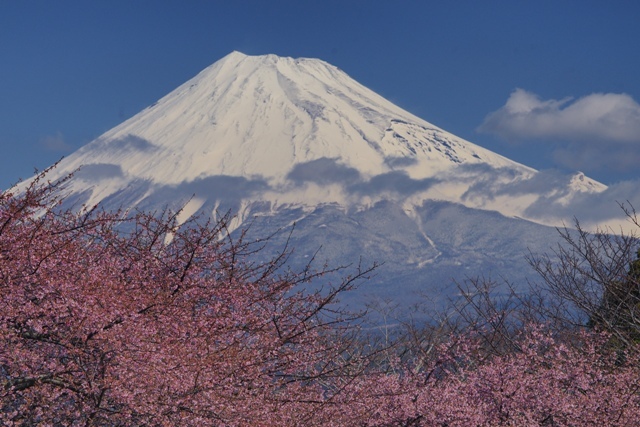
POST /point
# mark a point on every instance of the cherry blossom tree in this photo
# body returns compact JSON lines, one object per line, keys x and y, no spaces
{"x":110,"y":319}
{"x":545,"y":383}
{"x":114,"y":320}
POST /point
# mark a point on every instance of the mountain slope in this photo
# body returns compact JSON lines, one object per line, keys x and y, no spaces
{"x":251,"y":115}
{"x":291,"y":129}
{"x":283,"y":141}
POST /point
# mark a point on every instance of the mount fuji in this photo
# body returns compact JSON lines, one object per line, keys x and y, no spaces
{"x":278,"y":141}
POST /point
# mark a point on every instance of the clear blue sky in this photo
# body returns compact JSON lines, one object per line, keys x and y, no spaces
{"x":552,"y":84}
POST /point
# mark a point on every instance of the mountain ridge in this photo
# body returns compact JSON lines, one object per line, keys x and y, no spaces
{"x":282,"y":141}
{"x":266,"y":118}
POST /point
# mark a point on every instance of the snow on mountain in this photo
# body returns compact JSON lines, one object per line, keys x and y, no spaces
{"x":282,"y":141}
{"x":296,"y":131}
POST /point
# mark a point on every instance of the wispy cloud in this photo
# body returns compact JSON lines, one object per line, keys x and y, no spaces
{"x":557,"y":199}
{"x":596,"y":131}
{"x":593,"y":209}
{"x":397,"y":182}
{"x":127,"y":143}
{"x":601,"y":116}
{"x":55,"y":143}
{"x":98,"y":171}
{"x":323,"y":171}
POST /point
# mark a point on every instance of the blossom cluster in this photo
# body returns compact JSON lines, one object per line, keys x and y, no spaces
{"x":115,"y":320}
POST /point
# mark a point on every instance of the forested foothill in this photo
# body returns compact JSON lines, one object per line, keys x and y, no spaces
{"x":131,"y":319}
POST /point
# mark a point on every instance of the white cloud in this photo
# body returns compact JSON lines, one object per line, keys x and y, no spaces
{"x":593,"y":210}
{"x":596,"y":131}
{"x":600,"y":116}
{"x":55,"y":143}
{"x":557,"y":200}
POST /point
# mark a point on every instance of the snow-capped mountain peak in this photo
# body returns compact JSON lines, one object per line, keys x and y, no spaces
{"x":292,"y":132}
{"x":279,"y":141}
